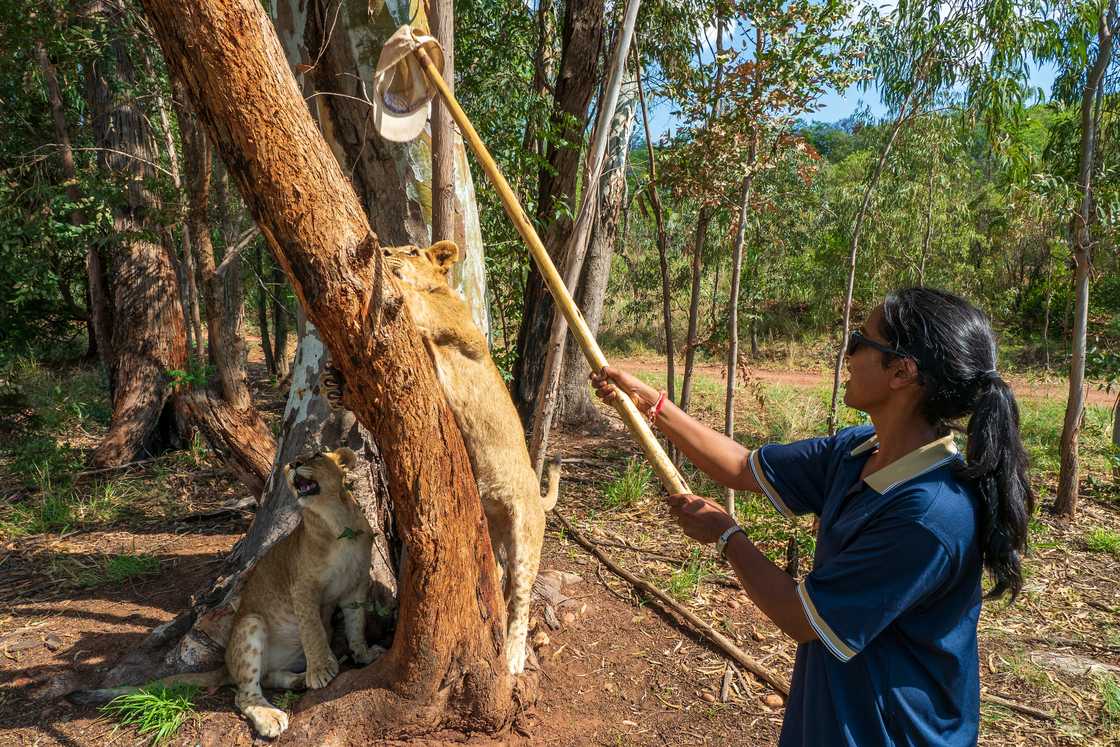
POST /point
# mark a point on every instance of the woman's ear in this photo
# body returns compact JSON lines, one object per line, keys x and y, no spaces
{"x":905,"y":372}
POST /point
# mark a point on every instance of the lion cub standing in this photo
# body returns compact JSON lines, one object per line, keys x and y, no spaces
{"x":492,"y":432}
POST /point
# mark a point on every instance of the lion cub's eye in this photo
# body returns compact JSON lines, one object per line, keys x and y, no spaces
{"x":414,"y":253}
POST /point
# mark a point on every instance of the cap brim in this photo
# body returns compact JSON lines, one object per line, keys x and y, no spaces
{"x":399,"y":71}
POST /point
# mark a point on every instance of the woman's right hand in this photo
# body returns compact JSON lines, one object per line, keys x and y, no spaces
{"x":605,"y":381}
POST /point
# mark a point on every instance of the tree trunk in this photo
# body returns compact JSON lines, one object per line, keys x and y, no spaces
{"x":443,"y":164}
{"x":702,"y":221}
{"x":857,"y":229}
{"x":188,"y":287}
{"x":224,"y":410}
{"x":1065,"y":504}
{"x":928,"y":234}
{"x":733,"y":308}
{"x":662,"y":243}
{"x":146,"y":326}
{"x":262,"y":313}
{"x":279,"y":324}
{"x":445,"y":667}
{"x":576,"y":82}
{"x":69,"y":172}
{"x":575,"y":405}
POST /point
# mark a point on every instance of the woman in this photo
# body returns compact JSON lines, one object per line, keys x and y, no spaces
{"x":886,"y":621}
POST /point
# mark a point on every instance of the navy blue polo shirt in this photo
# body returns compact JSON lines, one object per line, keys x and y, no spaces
{"x":894,"y":594}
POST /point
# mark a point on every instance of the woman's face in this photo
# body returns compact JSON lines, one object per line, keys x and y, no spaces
{"x":868,"y":383}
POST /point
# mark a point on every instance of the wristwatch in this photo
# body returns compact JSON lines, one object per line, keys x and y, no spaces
{"x":731,"y":531}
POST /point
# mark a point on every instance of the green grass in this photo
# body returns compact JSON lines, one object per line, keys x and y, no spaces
{"x":1041,"y":423}
{"x":685,"y":581}
{"x":1103,"y":540}
{"x":156,"y":712}
{"x":629,"y":488}
{"x":1110,"y":695}
{"x":110,"y":569}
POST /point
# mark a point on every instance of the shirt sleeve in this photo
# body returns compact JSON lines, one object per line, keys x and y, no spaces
{"x":887,"y":570}
{"x":794,"y":476}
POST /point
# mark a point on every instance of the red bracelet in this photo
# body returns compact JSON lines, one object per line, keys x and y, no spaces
{"x":657,"y":408}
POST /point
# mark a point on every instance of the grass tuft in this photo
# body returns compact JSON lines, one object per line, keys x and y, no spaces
{"x":1103,"y":540}
{"x":685,"y":581}
{"x":156,"y":711}
{"x":1110,"y":694}
{"x":630,"y":487}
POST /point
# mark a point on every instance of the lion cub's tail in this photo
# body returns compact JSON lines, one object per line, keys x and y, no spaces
{"x":548,"y":500}
{"x":213,"y":678}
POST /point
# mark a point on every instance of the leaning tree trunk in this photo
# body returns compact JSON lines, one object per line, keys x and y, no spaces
{"x":445,"y":666}
{"x":575,"y":405}
{"x":223,"y":411}
{"x":309,"y":424}
{"x":1065,"y":504}
{"x":146,"y":325}
{"x":575,"y":84}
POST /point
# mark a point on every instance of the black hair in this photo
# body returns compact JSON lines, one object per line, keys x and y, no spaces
{"x":955,"y":350}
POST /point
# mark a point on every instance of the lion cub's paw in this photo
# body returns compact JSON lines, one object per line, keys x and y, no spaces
{"x":331,"y":386}
{"x":268,"y":721}
{"x":319,"y":676}
{"x":368,"y":654}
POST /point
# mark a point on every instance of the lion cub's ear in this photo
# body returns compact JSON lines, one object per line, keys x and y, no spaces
{"x":443,"y":254}
{"x":346,"y":458}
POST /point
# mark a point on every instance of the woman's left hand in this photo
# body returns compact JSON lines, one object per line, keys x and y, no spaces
{"x":700,"y":519}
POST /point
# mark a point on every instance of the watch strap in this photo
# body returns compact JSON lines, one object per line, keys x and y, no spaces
{"x":731,"y":531}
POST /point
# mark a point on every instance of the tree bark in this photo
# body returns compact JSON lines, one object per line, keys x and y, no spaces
{"x":733,"y":308}
{"x":575,"y":405}
{"x":702,"y":221}
{"x":445,"y":665}
{"x":279,"y":325}
{"x":575,"y":84}
{"x":662,"y":243}
{"x":443,"y":164}
{"x":1065,"y":504}
{"x":138,"y":281}
{"x":262,"y":313}
{"x":224,"y":410}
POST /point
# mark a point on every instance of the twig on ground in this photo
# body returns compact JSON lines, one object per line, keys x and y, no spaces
{"x":725,"y":691}
{"x":126,"y":465}
{"x":707,"y":578}
{"x":721,"y":642}
{"x":1012,"y":705}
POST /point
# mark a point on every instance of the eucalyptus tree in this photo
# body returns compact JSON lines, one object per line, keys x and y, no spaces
{"x":1086,"y":47}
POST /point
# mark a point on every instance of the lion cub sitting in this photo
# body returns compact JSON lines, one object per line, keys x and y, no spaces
{"x":280,"y":636}
{"x":282,"y":623}
{"x":492,"y":431}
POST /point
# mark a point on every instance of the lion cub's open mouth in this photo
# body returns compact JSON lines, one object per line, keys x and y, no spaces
{"x":305,"y":486}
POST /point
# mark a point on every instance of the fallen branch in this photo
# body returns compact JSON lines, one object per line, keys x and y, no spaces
{"x":721,"y":642}
{"x":1013,"y":706}
{"x":711,"y":579}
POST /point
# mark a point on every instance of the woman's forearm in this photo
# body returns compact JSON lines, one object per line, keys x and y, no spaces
{"x":713,"y":453}
{"x":769,"y":587}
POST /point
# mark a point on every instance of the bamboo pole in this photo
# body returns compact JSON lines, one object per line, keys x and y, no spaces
{"x":670,"y":478}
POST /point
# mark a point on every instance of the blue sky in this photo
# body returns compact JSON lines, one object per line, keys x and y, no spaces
{"x":836,"y":106}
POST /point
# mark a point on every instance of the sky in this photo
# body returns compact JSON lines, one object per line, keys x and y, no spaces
{"x":837,"y":105}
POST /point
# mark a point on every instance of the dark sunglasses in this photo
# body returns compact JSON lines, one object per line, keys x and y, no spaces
{"x":857,"y":338}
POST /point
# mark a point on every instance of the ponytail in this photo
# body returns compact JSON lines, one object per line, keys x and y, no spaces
{"x":955,"y":349}
{"x":996,"y":465}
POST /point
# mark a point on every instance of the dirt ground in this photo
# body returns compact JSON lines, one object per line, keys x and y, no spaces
{"x":618,"y":670}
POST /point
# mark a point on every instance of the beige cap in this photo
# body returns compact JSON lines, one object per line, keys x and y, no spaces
{"x":401,"y":90}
